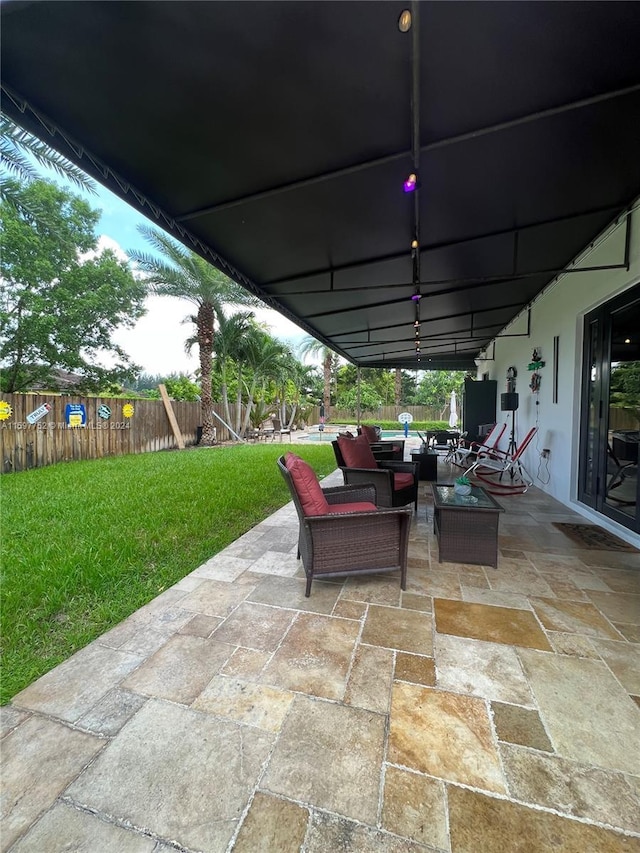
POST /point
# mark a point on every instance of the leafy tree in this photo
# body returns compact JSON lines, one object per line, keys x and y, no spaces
{"x":384,"y":383}
{"x":60,"y":301}
{"x":370,"y":400}
{"x":147,"y":382}
{"x":409,"y":383}
{"x":178,"y":387}
{"x":381,"y":382}
{"x":182,"y":388}
{"x":625,"y":387}
{"x":176,"y":271}
{"x":436,"y":386}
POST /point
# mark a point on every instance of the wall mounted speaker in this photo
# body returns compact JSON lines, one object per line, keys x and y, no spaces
{"x":509,"y":401}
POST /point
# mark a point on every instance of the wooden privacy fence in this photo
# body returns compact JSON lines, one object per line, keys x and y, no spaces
{"x":387,"y":413}
{"x":73,"y":427}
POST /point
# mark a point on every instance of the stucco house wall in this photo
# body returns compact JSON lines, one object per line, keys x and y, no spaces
{"x":560,"y":311}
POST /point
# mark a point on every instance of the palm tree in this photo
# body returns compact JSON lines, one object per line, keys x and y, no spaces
{"x":294,"y":388}
{"x":18,"y":148}
{"x":265,"y":357}
{"x":397,"y":391}
{"x":228,"y":346}
{"x":311,"y":346}
{"x":285,"y":373}
{"x":181,"y":273}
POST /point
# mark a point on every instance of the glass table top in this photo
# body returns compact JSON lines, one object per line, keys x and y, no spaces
{"x":445,"y":496}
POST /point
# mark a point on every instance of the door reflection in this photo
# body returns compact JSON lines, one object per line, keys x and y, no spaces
{"x":623,"y":434}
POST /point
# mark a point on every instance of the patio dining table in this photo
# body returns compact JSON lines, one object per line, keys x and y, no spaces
{"x":453,"y":435}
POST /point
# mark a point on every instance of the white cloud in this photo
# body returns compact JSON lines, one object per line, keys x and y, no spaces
{"x":104,"y":242}
{"x":280,"y":327}
{"x":156,"y":342}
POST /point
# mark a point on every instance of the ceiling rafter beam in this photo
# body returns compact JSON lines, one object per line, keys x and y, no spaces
{"x":479,"y":281}
{"x":451,"y":336}
{"x":387,"y":302}
{"x":448,"y":244}
{"x":399,"y":155}
{"x":460,"y":335}
{"x":425,"y":351}
{"x":520,"y":304}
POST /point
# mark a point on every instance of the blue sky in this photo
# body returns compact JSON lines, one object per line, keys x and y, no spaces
{"x":118,"y":220}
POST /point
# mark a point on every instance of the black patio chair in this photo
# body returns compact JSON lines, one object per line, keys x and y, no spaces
{"x":396,"y":482}
{"x":278,"y":429}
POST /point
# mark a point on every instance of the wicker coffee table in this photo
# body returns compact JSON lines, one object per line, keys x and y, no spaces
{"x":466,"y":527}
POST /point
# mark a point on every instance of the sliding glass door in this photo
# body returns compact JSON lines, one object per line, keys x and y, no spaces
{"x":610,"y":425}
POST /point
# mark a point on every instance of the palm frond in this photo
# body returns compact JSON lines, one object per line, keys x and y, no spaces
{"x":17,"y":142}
{"x":182,"y":273}
{"x":15,"y":162}
{"x":164,"y":244}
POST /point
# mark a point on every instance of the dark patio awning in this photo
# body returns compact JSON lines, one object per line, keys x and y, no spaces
{"x":274,"y":138}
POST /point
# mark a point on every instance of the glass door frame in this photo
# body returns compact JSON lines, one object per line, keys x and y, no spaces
{"x":594,"y":415}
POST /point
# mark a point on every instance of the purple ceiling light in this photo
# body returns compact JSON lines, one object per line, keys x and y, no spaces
{"x":410,"y":183}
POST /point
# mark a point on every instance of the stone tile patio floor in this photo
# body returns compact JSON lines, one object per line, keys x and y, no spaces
{"x":482,"y":710}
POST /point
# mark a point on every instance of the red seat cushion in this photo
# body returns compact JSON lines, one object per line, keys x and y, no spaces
{"x":358,"y":506}
{"x":370,"y":433}
{"x":356,"y":452}
{"x":306,"y":484}
{"x":402,"y":481}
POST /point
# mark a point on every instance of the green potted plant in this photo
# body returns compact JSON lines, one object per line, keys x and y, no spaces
{"x":462,"y":485}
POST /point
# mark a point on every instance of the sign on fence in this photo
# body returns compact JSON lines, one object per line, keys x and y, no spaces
{"x":38,"y":413}
{"x":75,"y":415}
{"x":38,"y":430}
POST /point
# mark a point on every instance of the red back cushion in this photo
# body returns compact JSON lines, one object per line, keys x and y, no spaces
{"x":356,"y":452}
{"x":306,"y":485}
{"x":370,"y":433}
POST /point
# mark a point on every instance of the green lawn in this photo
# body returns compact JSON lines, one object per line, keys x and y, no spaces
{"x":84,"y":544}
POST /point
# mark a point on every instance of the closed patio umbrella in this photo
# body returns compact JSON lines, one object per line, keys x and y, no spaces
{"x":453,"y":416}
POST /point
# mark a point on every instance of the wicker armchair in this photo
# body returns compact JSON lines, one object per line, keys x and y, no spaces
{"x":382,"y":477}
{"x":351,"y":543}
